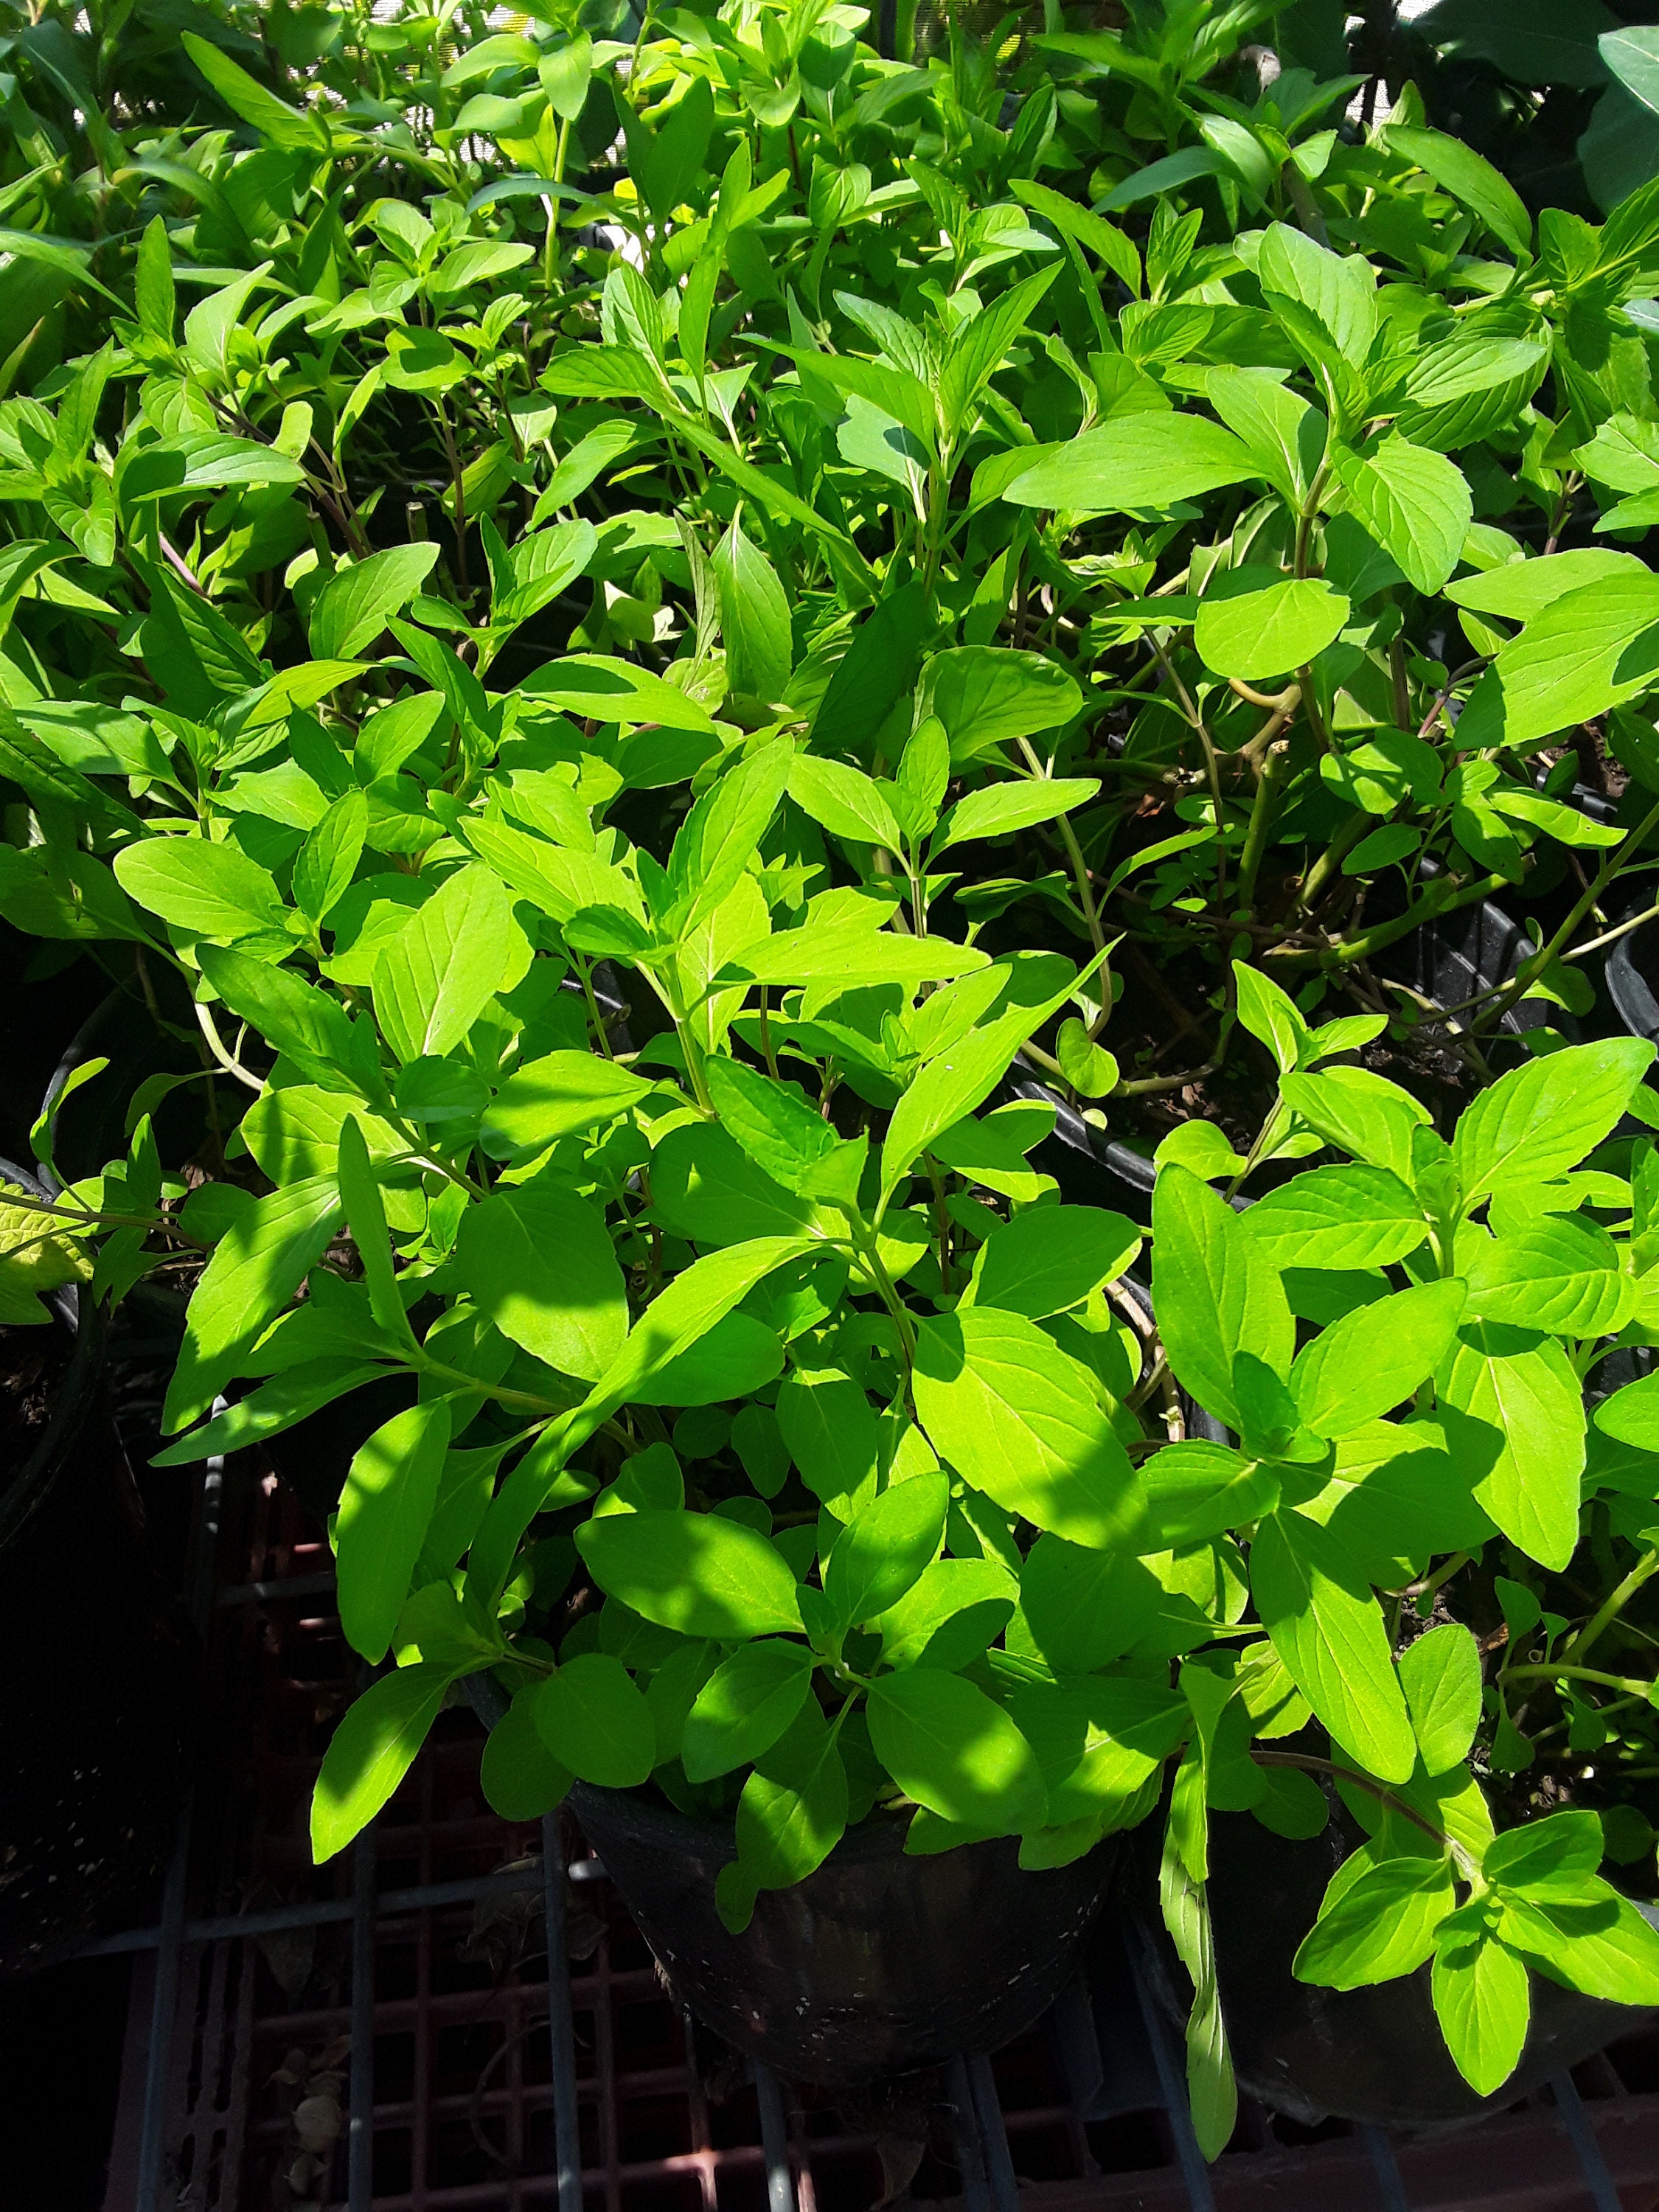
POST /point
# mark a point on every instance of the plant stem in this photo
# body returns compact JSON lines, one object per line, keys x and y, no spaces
{"x":1529,"y":970}
{"x":1261,"y":815}
{"x":1614,"y":1605}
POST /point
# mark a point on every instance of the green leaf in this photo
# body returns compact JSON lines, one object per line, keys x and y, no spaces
{"x":844,"y":800}
{"x":371,"y":1750}
{"x":596,"y":686}
{"x":1631,"y":1416}
{"x":360,"y":1194}
{"x":1214,"y":1295}
{"x":1483,"y":2002}
{"x":950,"y":1613}
{"x":696,"y":1572}
{"x":1340,"y":292}
{"x":520,"y":1778}
{"x":277,"y":1404}
{"x":154,"y":293}
{"x":987,"y":696}
{"x":886,"y":1547}
{"x":1084,"y":1609}
{"x":788,"y":1139}
{"x":1540,"y":1119}
{"x":977,"y":348}
{"x":754,"y":616}
{"x":1440,"y":1673}
{"x":705,"y":1187}
{"x":1378,"y":1927}
{"x":538,"y":1260}
{"x":1327,"y":1626}
{"x":1211,"y":2092}
{"x":745,"y":1706}
{"x":325,"y":864}
{"x":1554,"y":1856}
{"x":1284,"y":433}
{"x":1269,"y":632}
{"x":1000,"y":809}
{"x":1589,"y":650}
{"x":951,"y":1085}
{"x":356,"y":602}
{"x":1049,"y":1259}
{"x":719,"y":837}
{"x":257,"y":1266}
{"x":1021,"y":1420}
{"x":1359,"y":1113}
{"x":433,"y":979}
{"x":595,"y":1720}
{"x":831,"y":1430}
{"x":200,"y":461}
{"x":273,"y":119}
{"x":385,"y":1510}
{"x":1519,"y":590}
{"x":1513,"y":1412}
{"x":1141,"y":463}
{"x":558,"y":1096}
{"x":1196,"y":1491}
{"x":1374,"y":1358}
{"x":849,"y":955}
{"x":1561,"y":1275}
{"x":212,"y":890}
{"x":1599,"y":1943}
{"x":1415,"y":503}
{"x":1345,"y":1216}
{"x":792,"y":1812}
{"x":1459,"y":170}
{"x":295,"y":1018}
{"x":950,"y":1748}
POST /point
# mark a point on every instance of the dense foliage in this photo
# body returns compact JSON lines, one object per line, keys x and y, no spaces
{"x":653,"y":640}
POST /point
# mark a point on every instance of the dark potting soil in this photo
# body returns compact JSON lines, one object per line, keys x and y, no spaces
{"x":33,"y":1364}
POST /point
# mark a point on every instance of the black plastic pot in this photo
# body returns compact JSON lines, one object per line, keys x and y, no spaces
{"x":1632,"y":973}
{"x":876,"y":1964}
{"x":97,"y":1660}
{"x":1372,"y":2055}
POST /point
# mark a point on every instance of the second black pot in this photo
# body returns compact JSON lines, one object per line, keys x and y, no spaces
{"x":1372,"y":2055}
{"x":876,"y":1963}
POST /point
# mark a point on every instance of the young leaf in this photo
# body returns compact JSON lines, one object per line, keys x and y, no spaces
{"x":1050,"y":1258}
{"x":1440,"y":1673}
{"x":1380,"y":1926}
{"x":1325,"y":1623}
{"x":595,"y":1721}
{"x":1513,"y":1413}
{"x":539,"y":1261}
{"x":385,"y":1510}
{"x":1483,"y":2002}
{"x":1373,"y":1360}
{"x":1213,"y":1294}
{"x":1020,"y":1420}
{"x":886,"y":1547}
{"x":433,"y":979}
{"x":371,"y":1750}
{"x":360,"y":1194}
{"x":745,"y":1706}
{"x":518,"y":1774}
{"x":949,"y":1747}
{"x":1540,"y":1119}
{"x":695,"y":1572}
